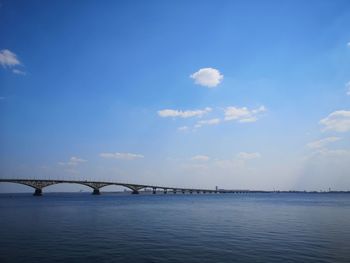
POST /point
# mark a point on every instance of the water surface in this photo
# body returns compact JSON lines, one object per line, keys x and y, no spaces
{"x":175,"y":228}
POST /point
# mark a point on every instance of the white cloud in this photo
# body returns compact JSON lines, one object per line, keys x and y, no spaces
{"x":348,"y":44}
{"x":183,"y":114}
{"x":183,"y":128}
{"x":248,"y":156}
{"x":18,"y":72}
{"x":322,"y":143}
{"x":73,"y":161}
{"x":233,"y":113}
{"x":243,"y":114}
{"x":347,"y":85}
{"x":121,"y":156}
{"x":202,"y":158}
{"x":77,"y":159}
{"x":250,"y":119}
{"x":210,"y":122}
{"x":8,"y":58}
{"x":338,"y":121}
{"x":208,"y":77}
{"x":215,"y":121}
{"x":258,"y":110}
{"x":328,"y":154}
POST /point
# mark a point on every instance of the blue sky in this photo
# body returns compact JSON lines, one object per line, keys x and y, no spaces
{"x":239,"y":94}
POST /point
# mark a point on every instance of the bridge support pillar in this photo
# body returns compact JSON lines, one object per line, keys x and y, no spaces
{"x":96,"y":192}
{"x":38,"y":192}
{"x":135,"y":192}
{"x":165,"y":191}
{"x":154,"y":191}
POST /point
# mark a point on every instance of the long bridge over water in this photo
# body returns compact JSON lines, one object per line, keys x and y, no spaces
{"x":39,"y":184}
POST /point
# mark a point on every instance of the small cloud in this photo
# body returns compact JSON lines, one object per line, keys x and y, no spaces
{"x":348,"y":44}
{"x":19,"y":72}
{"x":121,"y":156}
{"x":243,"y":114}
{"x":210,"y":122}
{"x":251,"y":119}
{"x":73,"y":161}
{"x":347,"y":85}
{"x":258,"y":110}
{"x":77,"y":160}
{"x":248,"y":156}
{"x":327,"y":154}
{"x":183,"y":128}
{"x":322,"y":143}
{"x":199,"y":124}
{"x":338,"y":121}
{"x":208,"y":77}
{"x":183,"y":114}
{"x":202,"y":158}
{"x":8,"y":59}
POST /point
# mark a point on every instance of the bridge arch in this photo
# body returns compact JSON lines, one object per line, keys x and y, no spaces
{"x":38,"y":185}
{"x":67,"y":187}
{"x":134,"y":188}
{"x":14,"y":186}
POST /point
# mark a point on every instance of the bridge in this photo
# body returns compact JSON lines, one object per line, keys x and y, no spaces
{"x":39,"y":184}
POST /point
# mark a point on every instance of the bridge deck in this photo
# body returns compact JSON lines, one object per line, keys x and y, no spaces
{"x":39,"y":184}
